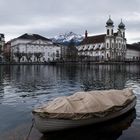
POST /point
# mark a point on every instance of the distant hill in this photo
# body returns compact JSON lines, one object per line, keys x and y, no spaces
{"x":136,"y":44}
{"x":66,"y":38}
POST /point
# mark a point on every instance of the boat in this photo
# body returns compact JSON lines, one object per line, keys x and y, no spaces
{"x":110,"y":130}
{"x":82,"y":109}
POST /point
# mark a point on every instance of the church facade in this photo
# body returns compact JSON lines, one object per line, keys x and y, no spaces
{"x":105,"y":47}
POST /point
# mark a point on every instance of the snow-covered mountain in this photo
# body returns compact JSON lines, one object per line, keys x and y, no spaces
{"x":66,"y":38}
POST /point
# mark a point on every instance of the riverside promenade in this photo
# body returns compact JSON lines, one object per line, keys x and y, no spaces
{"x":71,"y":62}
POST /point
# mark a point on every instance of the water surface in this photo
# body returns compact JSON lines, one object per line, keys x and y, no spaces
{"x":24,"y":87}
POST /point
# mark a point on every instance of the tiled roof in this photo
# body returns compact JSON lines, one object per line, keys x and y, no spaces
{"x":132,"y":47}
{"x":32,"y":37}
{"x":94,"y":39}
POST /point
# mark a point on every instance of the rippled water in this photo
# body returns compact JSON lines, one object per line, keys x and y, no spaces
{"x":24,"y":87}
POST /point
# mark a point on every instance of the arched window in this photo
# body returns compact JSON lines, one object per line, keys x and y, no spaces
{"x":107,"y":31}
{"x":112,"y":45}
{"x":119,"y":45}
{"x":107,"y":45}
{"x":112,"y":31}
{"x":123,"y":34}
{"x":107,"y":55}
{"x":57,"y":53}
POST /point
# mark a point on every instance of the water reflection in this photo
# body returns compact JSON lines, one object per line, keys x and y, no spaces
{"x":111,"y":130}
{"x":42,"y":83}
{"x":23,"y":87}
{"x":108,"y":76}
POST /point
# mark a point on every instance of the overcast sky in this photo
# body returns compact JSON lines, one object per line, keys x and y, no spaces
{"x":52,"y":17}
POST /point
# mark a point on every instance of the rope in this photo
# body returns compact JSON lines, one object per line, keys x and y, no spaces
{"x":33,"y":121}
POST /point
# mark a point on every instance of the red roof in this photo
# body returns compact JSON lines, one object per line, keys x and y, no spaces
{"x":94,"y":39}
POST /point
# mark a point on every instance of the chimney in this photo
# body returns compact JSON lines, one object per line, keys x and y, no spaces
{"x":86,"y":34}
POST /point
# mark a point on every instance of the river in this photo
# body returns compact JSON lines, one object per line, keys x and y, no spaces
{"x":24,"y":87}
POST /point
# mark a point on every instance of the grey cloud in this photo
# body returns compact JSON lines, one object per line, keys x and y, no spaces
{"x":51,"y":17}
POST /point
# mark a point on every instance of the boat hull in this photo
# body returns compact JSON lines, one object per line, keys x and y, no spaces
{"x":45,"y":125}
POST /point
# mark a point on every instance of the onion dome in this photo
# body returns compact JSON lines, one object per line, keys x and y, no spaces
{"x":109,"y":22}
{"x":121,"y":25}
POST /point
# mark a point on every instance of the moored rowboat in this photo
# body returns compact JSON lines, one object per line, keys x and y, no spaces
{"x":83,"y":108}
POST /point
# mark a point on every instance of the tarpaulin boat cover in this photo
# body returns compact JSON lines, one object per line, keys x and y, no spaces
{"x":84,"y":105}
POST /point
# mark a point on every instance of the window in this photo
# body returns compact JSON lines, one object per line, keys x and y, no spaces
{"x":107,"y":31}
{"x":107,"y":45}
{"x":112,"y":31}
{"x":116,"y":44}
{"x":123,"y":34}
{"x":112,"y":45}
{"x":57,"y":53}
{"x":53,"y":54}
{"x":119,"y":45}
{"x":107,"y":55}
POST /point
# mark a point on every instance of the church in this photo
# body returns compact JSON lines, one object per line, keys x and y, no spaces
{"x":110,"y":46}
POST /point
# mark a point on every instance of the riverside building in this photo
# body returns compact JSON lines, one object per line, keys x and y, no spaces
{"x":110,"y":46}
{"x":34,"y":48}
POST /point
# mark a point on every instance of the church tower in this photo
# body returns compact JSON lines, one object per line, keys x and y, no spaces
{"x":109,"y":40}
{"x":121,"y":27}
{"x":121,"y":41}
{"x":109,"y":27}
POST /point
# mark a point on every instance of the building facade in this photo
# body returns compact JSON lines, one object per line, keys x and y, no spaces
{"x":34,"y":48}
{"x":105,"y":47}
{"x":132,"y":53}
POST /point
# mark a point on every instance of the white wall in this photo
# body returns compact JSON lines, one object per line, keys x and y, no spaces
{"x":46,"y":48}
{"x":132,"y":54}
{"x":19,"y":41}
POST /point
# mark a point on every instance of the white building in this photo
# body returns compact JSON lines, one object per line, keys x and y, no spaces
{"x":105,"y":47}
{"x":34,"y":48}
{"x":132,"y":53}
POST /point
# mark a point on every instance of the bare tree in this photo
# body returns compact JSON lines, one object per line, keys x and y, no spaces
{"x":38,"y":55}
{"x":71,"y":52}
{"x":29,"y":56}
{"x":18,"y":55}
